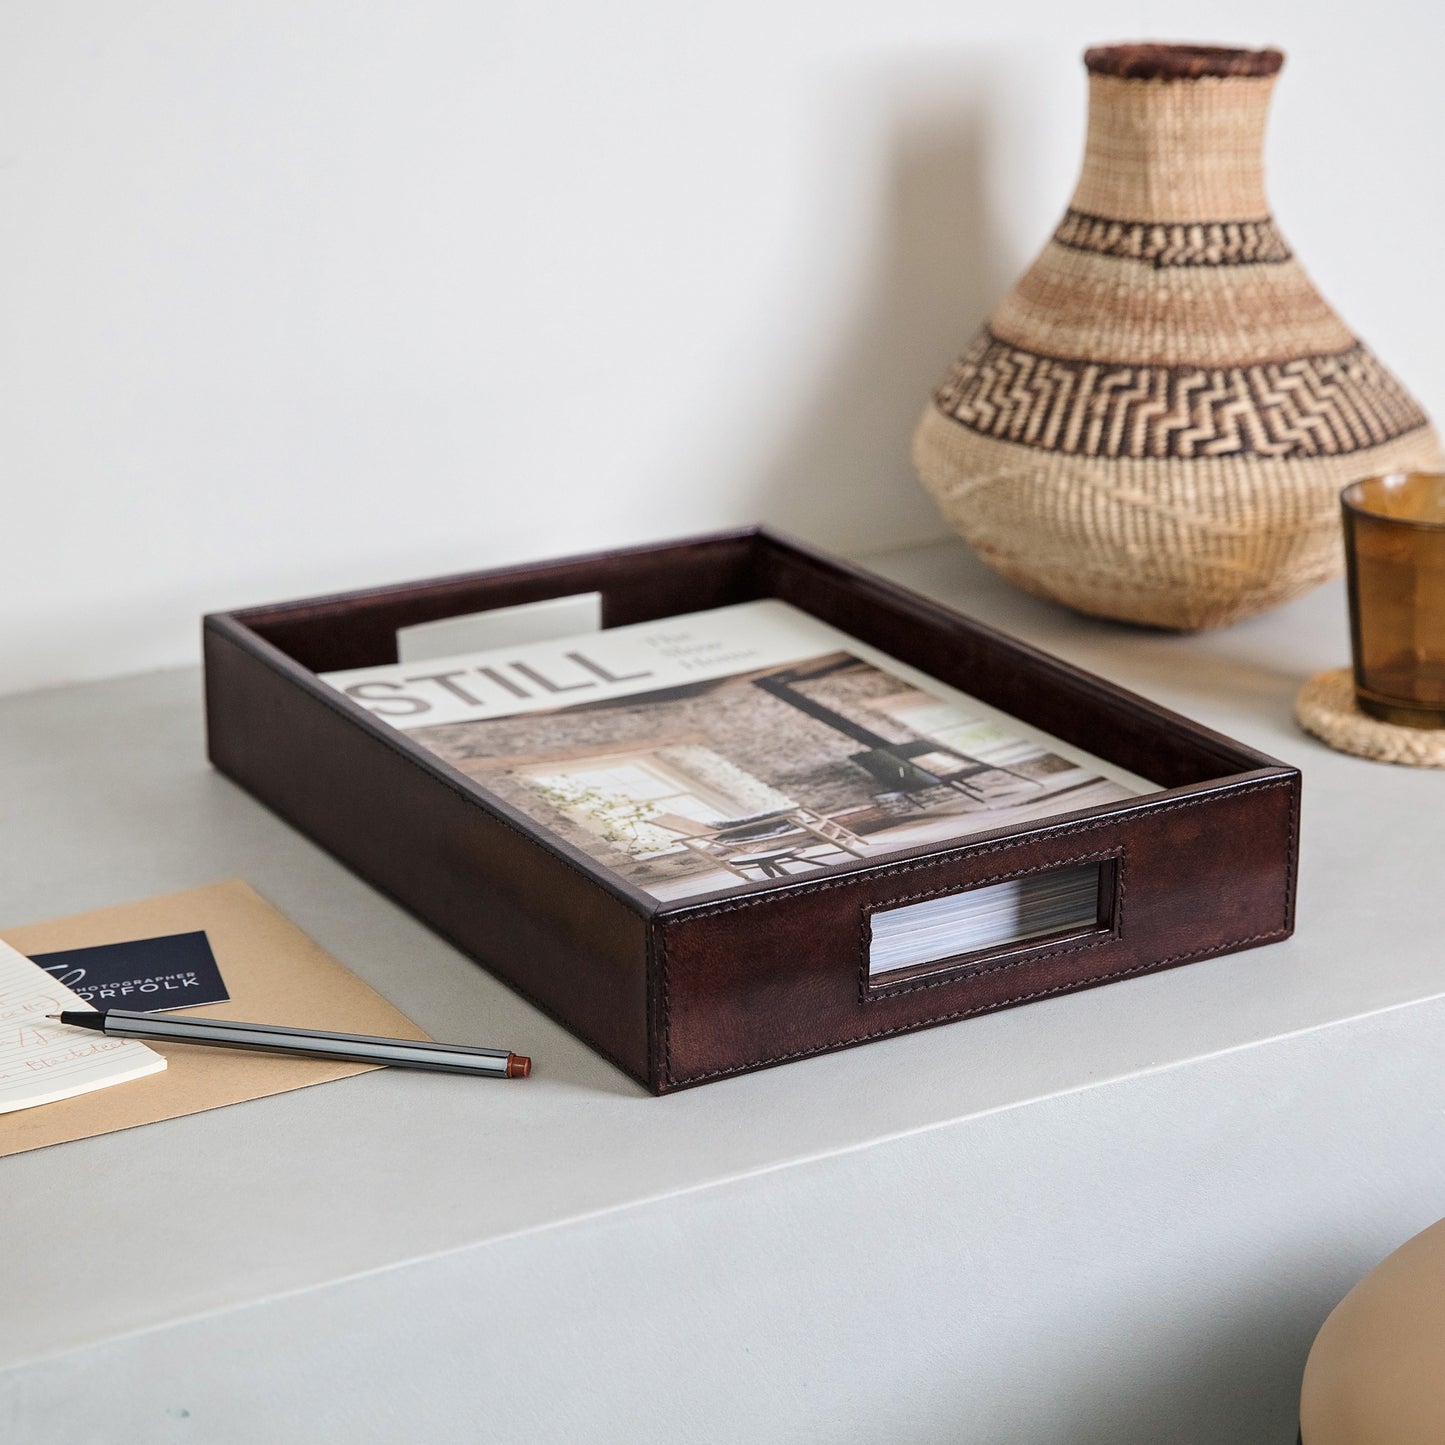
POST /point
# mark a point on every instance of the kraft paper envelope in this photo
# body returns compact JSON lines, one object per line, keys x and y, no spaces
{"x":275,"y":974}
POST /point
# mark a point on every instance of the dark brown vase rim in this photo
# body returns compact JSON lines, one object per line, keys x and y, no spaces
{"x":1147,"y":60}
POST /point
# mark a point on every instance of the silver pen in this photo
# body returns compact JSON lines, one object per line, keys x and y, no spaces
{"x":309,"y":1043}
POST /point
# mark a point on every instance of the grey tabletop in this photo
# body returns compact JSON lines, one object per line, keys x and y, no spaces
{"x":105,"y":795}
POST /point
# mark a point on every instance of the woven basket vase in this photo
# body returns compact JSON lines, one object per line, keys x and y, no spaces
{"x":1156,"y":422}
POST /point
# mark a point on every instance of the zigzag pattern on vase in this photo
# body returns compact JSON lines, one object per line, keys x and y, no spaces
{"x":1311,"y":406}
{"x":1173,"y":243}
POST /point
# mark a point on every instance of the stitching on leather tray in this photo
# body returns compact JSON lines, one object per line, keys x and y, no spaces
{"x":1025,"y":956}
{"x":1290,"y":881}
{"x":1281,"y":932}
{"x":661,"y":951}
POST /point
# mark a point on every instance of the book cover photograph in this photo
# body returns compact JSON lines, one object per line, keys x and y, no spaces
{"x":701,"y":753}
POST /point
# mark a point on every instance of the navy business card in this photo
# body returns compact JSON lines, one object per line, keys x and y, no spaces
{"x":148,"y":975}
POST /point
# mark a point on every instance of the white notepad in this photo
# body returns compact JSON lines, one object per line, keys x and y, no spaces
{"x":41,"y":1061}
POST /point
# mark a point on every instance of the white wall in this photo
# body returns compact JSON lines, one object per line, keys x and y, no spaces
{"x":305,"y":294}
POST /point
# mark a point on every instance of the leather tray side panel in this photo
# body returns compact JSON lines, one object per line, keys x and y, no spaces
{"x":539,"y":922}
{"x":768,"y":978}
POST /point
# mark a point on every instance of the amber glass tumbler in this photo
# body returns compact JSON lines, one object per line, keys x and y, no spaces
{"x":1395,"y":551}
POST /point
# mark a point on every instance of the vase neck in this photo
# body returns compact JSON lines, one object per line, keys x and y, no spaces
{"x":1175,"y":150}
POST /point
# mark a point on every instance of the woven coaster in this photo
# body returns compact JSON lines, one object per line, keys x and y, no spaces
{"x":1326,"y":707}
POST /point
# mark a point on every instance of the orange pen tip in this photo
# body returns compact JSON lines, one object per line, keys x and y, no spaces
{"x":518,"y":1066}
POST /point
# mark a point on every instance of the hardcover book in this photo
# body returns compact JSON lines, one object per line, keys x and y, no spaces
{"x":699,"y":753}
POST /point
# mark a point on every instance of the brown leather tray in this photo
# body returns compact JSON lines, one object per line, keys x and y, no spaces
{"x":682,"y":993}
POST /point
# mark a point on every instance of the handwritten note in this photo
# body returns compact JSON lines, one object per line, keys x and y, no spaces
{"x":41,"y":1061}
